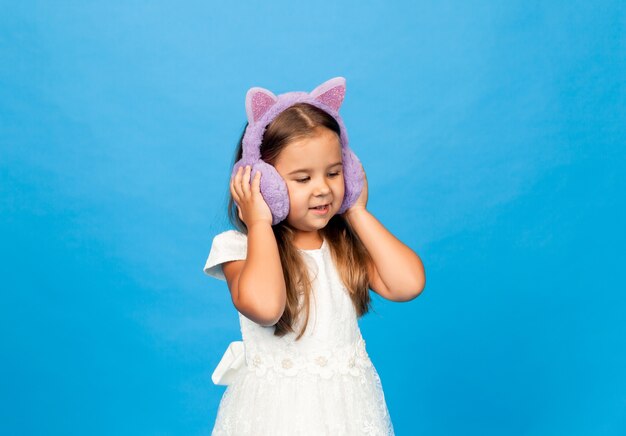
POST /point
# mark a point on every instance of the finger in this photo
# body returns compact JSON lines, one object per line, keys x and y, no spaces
{"x":231,"y":188}
{"x":256,"y":182}
{"x":233,"y":193}
{"x":246,"y":182}
{"x":237,"y":184}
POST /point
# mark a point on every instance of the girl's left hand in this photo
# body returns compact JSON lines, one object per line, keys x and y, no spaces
{"x":361,"y":202}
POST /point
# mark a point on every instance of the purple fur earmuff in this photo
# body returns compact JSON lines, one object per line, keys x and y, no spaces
{"x":262,"y":107}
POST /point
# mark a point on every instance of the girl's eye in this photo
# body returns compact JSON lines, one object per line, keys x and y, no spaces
{"x":307,"y":178}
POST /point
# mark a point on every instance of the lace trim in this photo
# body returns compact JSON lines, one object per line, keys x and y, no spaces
{"x":325,"y":363}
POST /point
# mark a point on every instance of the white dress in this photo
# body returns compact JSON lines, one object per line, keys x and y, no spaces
{"x":322,"y":384}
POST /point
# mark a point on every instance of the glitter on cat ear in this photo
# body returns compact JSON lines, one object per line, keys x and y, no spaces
{"x":331,"y":92}
{"x":333,"y":97}
{"x":258,"y":102}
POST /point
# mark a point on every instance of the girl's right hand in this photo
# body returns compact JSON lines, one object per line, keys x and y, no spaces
{"x":250,"y":203}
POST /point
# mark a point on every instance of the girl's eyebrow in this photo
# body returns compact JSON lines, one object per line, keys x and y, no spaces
{"x":306,"y":170}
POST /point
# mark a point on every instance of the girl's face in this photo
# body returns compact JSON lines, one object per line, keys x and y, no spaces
{"x":312,"y":169}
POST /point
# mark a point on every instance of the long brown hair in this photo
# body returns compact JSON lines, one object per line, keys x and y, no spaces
{"x":347,"y":250}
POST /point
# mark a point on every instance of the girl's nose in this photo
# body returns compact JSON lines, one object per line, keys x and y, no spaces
{"x":322,"y":188}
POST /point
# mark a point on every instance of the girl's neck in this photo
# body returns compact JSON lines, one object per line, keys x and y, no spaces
{"x":308,"y":240}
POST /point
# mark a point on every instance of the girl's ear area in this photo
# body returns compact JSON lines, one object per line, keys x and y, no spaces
{"x":258,"y":101}
{"x":331,"y":92}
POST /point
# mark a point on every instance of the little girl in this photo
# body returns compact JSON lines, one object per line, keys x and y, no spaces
{"x":299,"y":269}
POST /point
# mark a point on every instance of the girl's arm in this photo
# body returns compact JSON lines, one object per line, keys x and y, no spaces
{"x":398,"y":272}
{"x":257,"y":284}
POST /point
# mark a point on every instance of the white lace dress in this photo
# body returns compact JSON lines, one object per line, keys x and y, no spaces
{"x":322,"y":384}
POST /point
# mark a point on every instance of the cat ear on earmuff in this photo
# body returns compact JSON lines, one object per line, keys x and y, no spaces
{"x":258,"y":101}
{"x":331,"y":92}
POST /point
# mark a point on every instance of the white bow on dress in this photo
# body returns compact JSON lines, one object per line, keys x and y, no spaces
{"x":232,"y":360}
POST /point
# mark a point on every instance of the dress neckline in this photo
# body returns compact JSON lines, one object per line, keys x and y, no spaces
{"x":315,"y":250}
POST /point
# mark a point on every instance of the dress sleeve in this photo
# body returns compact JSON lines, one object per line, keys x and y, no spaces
{"x":226,"y":246}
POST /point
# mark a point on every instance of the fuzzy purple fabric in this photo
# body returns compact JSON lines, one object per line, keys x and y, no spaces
{"x":262,"y":107}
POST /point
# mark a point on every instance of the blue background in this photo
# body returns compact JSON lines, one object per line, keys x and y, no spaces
{"x":493,"y":135}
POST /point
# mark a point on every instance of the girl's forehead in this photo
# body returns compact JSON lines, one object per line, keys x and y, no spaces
{"x":309,"y":155}
{"x":319,"y":150}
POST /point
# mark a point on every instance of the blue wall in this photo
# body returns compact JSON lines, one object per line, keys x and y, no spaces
{"x":493,"y":136}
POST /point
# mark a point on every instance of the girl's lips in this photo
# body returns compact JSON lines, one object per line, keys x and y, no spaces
{"x":321,"y":211}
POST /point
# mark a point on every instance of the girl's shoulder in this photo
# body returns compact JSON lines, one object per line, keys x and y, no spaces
{"x":226,"y":246}
{"x":230,"y":236}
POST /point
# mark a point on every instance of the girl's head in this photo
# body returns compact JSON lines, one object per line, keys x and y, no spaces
{"x":262,"y":110}
{"x":303,"y":144}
